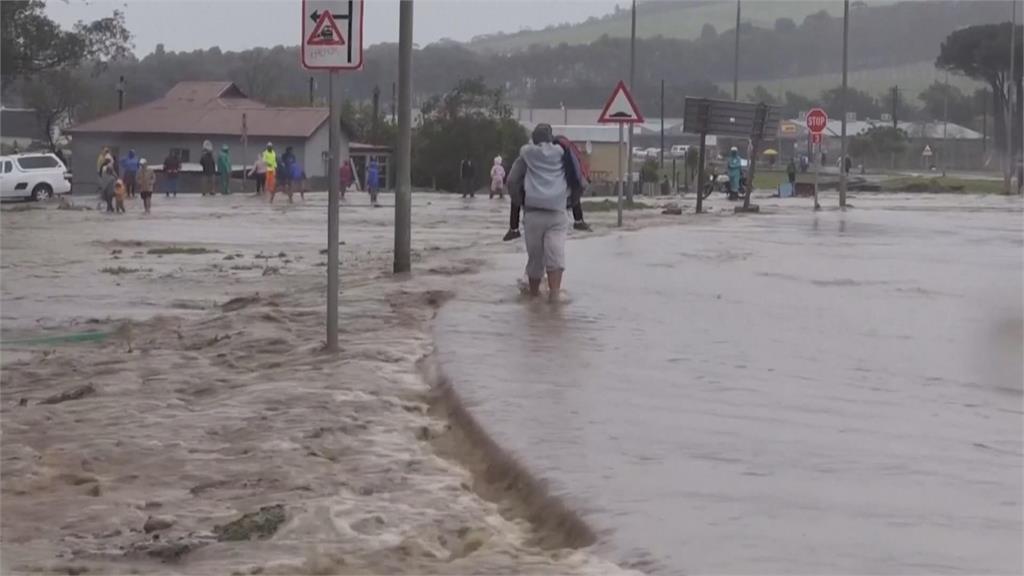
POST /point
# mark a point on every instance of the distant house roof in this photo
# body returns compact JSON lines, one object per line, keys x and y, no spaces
{"x":583,"y":133}
{"x":20,"y":123}
{"x":926,"y":130}
{"x":209,"y":108}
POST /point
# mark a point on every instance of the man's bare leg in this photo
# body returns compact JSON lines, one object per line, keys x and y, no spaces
{"x":534,"y":287}
{"x":554,"y":284}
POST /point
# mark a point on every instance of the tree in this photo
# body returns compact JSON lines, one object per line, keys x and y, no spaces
{"x":761,"y":94}
{"x":962,"y":108}
{"x":33,"y":43}
{"x":708,"y":32}
{"x":785,"y":25}
{"x":795,"y":104}
{"x":54,"y":96}
{"x":983,"y":53}
{"x":470,"y":121}
{"x":879,"y":145}
{"x":861,"y":103}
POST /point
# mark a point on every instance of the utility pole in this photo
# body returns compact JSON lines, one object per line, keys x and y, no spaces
{"x":895,"y":98}
{"x":312,"y":87}
{"x":662,"y":162}
{"x":375,"y":107}
{"x":842,"y":106}
{"x":945,"y":124}
{"x":632,"y":70}
{"x":394,"y":102}
{"x":403,"y":155}
{"x":1011,"y":108}
{"x":121,"y":93}
{"x":984,"y":125}
{"x":736,"y":58}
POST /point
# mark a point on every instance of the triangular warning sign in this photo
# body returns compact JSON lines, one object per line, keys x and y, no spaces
{"x":621,"y":108}
{"x":326,"y":32}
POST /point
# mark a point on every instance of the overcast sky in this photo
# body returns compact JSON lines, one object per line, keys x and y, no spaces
{"x":241,"y":24}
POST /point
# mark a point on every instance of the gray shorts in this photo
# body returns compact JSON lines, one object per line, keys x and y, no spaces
{"x":545,"y":234}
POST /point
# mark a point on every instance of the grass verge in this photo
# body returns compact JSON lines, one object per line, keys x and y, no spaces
{"x":607,"y":205}
{"x":941,"y":184}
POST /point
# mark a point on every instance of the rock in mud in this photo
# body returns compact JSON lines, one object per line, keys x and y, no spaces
{"x":75,"y":393}
{"x":258,"y":525}
{"x":672,"y":209}
{"x":154,"y":523}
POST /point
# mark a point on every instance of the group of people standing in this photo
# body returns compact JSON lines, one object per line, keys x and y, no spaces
{"x":125,"y":179}
{"x":216,"y":173}
{"x":275,"y":174}
{"x":348,"y":177}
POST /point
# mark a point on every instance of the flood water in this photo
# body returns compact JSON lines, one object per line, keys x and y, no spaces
{"x":784,"y":393}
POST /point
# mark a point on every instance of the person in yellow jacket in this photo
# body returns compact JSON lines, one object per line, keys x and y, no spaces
{"x":270,"y":157}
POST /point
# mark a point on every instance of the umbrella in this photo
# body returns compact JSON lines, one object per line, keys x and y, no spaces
{"x":771,"y":152}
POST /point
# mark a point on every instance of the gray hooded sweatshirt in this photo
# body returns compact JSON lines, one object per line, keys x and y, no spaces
{"x":544,"y":182}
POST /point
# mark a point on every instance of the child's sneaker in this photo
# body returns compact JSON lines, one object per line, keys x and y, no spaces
{"x":581,"y":225}
{"x":511,"y":235}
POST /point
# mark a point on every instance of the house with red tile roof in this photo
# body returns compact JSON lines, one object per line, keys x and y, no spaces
{"x":193,"y":112}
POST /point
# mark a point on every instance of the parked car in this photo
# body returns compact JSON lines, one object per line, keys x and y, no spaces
{"x":639,"y":152}
{"x":679,"y":150}
{"x":652,"y":152}
{"x":33,"y":176}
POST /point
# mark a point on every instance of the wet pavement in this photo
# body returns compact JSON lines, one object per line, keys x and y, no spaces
{"x":785,"y":393}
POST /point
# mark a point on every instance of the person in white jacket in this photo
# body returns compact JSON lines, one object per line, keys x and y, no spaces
{"x":540,"y":175}
{"x":497,"y":179}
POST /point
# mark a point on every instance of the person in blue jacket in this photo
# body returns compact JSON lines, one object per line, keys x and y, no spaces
{"x":373,"y":181}
{"x":735,"y":172}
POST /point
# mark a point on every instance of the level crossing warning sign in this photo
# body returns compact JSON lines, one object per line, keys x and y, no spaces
{"x":332,"y":34}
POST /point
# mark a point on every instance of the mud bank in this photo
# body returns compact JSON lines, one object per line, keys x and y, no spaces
{"x":179,"y":416}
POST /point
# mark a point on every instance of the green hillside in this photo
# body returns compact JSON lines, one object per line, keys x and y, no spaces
{"x":911,"y":78}
{"x":672,"y":19}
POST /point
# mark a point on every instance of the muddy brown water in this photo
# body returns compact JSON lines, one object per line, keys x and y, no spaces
{"x":787,"y":393}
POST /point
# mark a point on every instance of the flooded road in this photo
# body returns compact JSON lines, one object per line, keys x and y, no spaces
{"x":786,"y":393}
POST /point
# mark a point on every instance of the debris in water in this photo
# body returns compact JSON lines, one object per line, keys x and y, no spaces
{"x":75,"y":393}
{"x":155,"y":523}
{"x":181,"y":250}
{"x":258,"y":525}
{"x":239,"y":303}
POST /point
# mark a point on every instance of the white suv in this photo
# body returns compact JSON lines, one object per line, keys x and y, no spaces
{"x":33,"y":176}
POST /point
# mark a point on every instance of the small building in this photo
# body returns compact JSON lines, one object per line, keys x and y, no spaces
{"x":964,"y":148}
{"x":599,"y":144}
{"x":193,"y":112}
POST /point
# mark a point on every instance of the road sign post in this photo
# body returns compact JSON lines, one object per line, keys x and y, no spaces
{"x":621,"y":109}
{"x":332,"y":40}
{"x":705,"y":116}
{"x":817,"y":120}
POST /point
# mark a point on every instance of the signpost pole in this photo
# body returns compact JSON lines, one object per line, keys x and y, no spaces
{"x":700,"y":173}
{"x":245,"y":152}
{"x":326,"y":45}
{"x":817,"y":164}
{"x":333,"y":177}
{"x":622,"y":170}
{"x":760,"y":119}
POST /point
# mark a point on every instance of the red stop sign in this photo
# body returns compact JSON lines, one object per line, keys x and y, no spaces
{"x":817,"y":119}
